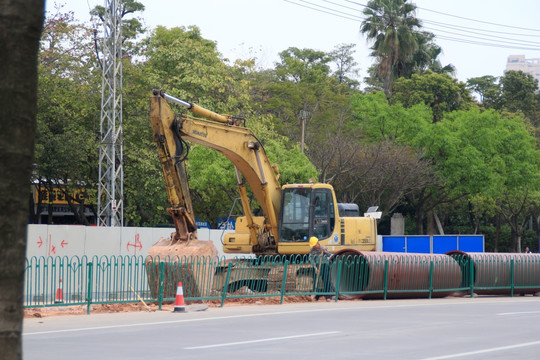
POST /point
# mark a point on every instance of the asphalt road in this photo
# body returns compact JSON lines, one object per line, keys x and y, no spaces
{"x":449,"y":328}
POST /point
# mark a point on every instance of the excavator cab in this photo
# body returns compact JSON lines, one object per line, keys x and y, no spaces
{"x":307,"y":210}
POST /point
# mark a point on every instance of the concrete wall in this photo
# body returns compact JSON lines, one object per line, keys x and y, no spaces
{"x":75,"y":240}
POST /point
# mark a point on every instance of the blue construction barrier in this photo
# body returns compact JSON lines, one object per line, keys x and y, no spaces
{"x":432,"y":244}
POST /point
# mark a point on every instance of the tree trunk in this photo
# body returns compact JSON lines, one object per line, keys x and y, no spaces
{"x":513,"y":239}
{"x":20,"y":29}
{"x":430,"y":224}
{"x":419,"y":221}
{"x":497,"y":233}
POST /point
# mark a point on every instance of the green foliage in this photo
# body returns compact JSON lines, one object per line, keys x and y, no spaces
{"x":486,"y":88}
{"x":346,"y":71}
{"x":518,"y":95}
{"x":131,"y":27}
{"x":482,"y":152}
{"x":299,"y":65}
{"x":515,"y":92}
{"x":66,"y":138}
{"x":381,"y":121}
{"x":189,"y":67}
{"x":294,"y":167}
{"x":439,"y":91}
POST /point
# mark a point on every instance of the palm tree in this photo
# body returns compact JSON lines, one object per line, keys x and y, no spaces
{"x":426,"y":57}
{"x":392,"y":26}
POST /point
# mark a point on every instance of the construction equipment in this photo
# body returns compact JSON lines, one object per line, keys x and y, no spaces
{"x":292,"y":213}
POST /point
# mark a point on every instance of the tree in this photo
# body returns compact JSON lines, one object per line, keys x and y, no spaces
{"x":131,"y":27}
{"x":301,"y":93}
{"x":487,"y":89}
{"x":346,"y":71}
{"x":440,"y":92}
{"x":390,"y":167}
{"x":391,"y":26}
{"x":518,"y":95}
{"x":68,"y":94}
{"x":20,"y":30}
{"x":484,"y":154}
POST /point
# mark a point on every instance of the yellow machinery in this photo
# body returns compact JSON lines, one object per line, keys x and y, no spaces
{"x":292,"y":213}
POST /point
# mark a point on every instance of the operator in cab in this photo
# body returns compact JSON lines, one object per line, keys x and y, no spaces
{"x":319,"y":256}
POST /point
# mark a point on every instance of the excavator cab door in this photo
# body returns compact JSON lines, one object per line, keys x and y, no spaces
{"x":323,"y":218}
{"x":306,"y":212}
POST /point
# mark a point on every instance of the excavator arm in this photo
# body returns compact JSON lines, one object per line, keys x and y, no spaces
{"x":171,"y":152}
{"x":236,"y":143}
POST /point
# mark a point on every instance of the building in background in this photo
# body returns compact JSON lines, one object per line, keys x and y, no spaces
{"x":57,"y":204}
{"x":528,"y":66}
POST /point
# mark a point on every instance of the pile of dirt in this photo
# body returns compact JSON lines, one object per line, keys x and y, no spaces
{"x":164,"y":248}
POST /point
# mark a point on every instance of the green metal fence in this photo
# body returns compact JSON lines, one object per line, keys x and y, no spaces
{"x":62,"y":281}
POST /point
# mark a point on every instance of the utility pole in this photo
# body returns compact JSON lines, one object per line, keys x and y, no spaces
{"x":111,"y":172}
{"x":303,"y":117}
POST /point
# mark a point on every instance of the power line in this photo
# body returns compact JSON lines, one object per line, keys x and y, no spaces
{"x":479,"y":21}
{"x":502,"y":39}
{"x":466,"y":38}
{"x":326,"y":12}
{"x":477,"y":29}
{"x":484,"y":43}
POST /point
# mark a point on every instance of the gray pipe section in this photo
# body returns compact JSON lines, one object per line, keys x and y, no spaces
{"x":494,"y":270}
{"x":408,"y":274}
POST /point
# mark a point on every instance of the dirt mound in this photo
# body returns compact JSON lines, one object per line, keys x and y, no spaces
{"x":164,"y":248}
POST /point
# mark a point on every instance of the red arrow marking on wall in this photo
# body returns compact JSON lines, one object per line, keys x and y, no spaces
{"x":40,"y":242}
{"x":52,"y":248}
{"x":63,"y":243}
{"x":137,"y":245}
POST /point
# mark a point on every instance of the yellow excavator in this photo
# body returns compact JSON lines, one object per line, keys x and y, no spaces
{"x":292,"y":213}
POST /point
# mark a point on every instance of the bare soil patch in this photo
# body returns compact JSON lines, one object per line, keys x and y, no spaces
{"x":40,"y":312}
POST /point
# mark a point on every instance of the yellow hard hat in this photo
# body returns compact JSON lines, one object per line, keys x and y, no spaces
{"x":313,"y":241}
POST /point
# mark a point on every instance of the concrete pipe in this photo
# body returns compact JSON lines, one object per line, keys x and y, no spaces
{"x":492,"y":272}
{"x":408,"y":274}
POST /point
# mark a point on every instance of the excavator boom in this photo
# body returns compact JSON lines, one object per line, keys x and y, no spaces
{"x":237,"y":143}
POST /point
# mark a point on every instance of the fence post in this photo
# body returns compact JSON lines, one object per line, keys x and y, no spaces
{"x":284,"y":281}
{"x":89,"y":289}
{"x":430,"y":278}
{"x":471,"y":275}
{"x":224,"y":292}
{"x":385,"y":278}
{"x":161,"y":281}
{"x":338,"y":280}
{"x":511,"y":277}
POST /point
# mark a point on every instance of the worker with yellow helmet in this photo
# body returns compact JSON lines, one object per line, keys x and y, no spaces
{"x":319,"y":255}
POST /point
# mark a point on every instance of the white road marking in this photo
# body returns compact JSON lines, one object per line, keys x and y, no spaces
{"x":520,"y":313}
{"x":260,"y":340}
{"x":484,"y":351}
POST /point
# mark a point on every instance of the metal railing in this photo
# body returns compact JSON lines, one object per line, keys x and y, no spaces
{"x":62,"y":281}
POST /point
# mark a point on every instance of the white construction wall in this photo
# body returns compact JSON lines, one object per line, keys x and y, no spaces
{"x":77,"y":240}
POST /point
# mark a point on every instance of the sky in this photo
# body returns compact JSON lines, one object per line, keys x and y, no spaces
{"x":263,"y":28}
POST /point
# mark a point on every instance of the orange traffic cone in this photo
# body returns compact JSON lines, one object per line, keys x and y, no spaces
{"x":179,"y":305}
{"x":59,"y":293}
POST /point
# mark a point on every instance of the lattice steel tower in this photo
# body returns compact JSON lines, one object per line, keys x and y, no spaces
{"x":111,"y":172}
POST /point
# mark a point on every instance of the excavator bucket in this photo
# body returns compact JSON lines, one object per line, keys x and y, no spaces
{"x":170,"y":262}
